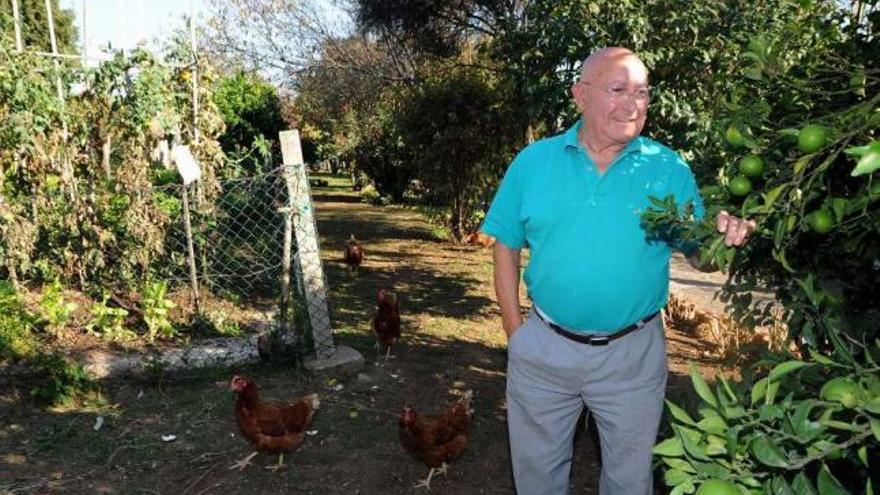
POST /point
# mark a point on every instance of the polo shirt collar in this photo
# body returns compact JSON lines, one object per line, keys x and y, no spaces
{"x":571,"y":140}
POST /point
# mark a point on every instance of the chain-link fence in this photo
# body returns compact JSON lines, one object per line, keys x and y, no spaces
{"x":255,"y":253}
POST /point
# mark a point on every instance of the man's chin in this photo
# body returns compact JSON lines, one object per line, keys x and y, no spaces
{"x":627,"y":135}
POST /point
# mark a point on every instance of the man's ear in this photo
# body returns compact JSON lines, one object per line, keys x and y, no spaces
{"x":577,"y":94}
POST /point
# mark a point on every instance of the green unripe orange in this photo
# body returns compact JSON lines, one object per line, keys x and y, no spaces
{"x":734,"y":137}
{"x":821,"y":221}
{"x":751,"y":166}
{"x":718,"y":487}
{"x":740,"y":186}
{"x":811,"y":138}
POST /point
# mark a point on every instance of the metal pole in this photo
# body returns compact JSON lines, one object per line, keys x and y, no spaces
{"x":195,"y":70}
{"x":58,"y":85}
{"x":190,"y":252}
{"x":17,"y":21}
{"x":285,"y":255}
{"x":123,"y":26}
{"x":55,"y":52}
{"x":85,"y":36}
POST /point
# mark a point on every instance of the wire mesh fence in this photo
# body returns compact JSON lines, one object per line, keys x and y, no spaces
{"x":239,"y":242}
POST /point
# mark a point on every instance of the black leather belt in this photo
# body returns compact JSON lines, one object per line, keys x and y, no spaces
{"x":597,"y":339}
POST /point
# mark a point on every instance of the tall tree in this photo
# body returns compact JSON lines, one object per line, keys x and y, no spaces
{"x":250,"y":107}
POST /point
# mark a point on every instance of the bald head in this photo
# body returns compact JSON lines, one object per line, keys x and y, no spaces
{"x":602,"y":60}
{"x":611,"y":97}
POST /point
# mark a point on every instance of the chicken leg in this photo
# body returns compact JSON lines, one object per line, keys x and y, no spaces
{"x":280,"y":464}
{"x":243,"y":463}
{"x":426,"y":483}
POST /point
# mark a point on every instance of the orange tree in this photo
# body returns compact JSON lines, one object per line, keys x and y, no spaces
{"x":806,"y":422}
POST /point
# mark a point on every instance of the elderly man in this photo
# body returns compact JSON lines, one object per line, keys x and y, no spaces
{"x":594,"y":335}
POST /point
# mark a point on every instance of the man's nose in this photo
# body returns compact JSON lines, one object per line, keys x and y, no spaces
{"x":629,"y":103}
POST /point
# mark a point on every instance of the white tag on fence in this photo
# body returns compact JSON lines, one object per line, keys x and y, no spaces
{"x":186,"y":164}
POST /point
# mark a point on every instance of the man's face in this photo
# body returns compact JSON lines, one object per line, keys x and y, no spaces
{"x":613,"y":98}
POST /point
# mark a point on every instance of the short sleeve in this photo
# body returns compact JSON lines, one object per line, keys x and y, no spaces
{"x":503,"y":221}
{"x":685,"y":191}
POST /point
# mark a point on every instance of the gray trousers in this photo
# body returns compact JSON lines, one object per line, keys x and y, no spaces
{"x":549,"y":380}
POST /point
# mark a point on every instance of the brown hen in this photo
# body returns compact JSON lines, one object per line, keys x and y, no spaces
{"x":436,"y":440}
{"x":386,"y":323}
{"x":354,"y":252}
{"x":271,"y":426}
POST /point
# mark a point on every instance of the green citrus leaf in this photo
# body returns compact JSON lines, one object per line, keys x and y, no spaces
{"x":680,"y":414}
{"x":873,"y":405}
{"x":802,"y":485}
{"x":769,"y":453}
{"x":701,"y":387}
{"x":714,"y":425}
{"x":691,"y":446}
{"x":759,"y":390}
{"x":671,"y":447}
{"x":686,"y":487}
{"x":867,"y":164}
{"x":674,"y":477}
{"x":780,"y":487}
{"x":772,"y":389}
{"x":785,"y":368}
{"x":680,"y":464}
{"x":863,"y":150}
{"x":716,"y":446}
{"x":828,"y":484}
{"x":735,"y":412}
{"x":821,"y":359}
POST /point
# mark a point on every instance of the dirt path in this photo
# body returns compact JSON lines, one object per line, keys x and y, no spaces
{"x":452,"y":341}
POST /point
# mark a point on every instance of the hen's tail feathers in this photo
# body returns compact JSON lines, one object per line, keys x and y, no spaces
{"x":467,"y":397}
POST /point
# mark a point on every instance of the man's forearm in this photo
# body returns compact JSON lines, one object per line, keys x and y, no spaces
{"x":507,"y":286}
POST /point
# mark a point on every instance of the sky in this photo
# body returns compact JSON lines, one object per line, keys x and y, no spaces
{"x":123,"y":23}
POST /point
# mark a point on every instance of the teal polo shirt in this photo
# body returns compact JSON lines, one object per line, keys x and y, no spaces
{"x":591,"y":267}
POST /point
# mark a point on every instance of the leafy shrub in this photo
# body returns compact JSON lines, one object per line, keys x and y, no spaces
{"x":155,"y":307}
{"x":108,"y":322}
{"x":65,"y":380}
{"x":776,"y":434}
{"x":55,"y":310}
{"x":16,"y":323}
{"x":217,"y":322}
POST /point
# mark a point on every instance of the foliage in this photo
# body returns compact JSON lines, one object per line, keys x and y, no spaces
{"x":823,"y":280}
{"x":809,"y":109}
{"x":77,"y":176}
{"x":56,"y":311}
{"x":251,"y":111}
{"x":217,"y":321}
{"x":109,"y":322}
{"x":64,"y":380}
{"x":457,"y":155}
{"x":35,"y":25}
{"x":776,"y":434}
{"x":16,"y":323}
{"x":155,"y":307}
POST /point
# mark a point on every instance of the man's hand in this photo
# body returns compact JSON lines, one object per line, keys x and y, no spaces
{"x":736,"y":230}
{"x":510,"y":327}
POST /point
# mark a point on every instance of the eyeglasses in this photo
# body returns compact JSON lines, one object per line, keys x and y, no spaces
{"x":618,"y":94}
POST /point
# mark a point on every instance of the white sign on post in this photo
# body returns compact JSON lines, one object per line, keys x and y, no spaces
{"x":186,"y":163}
